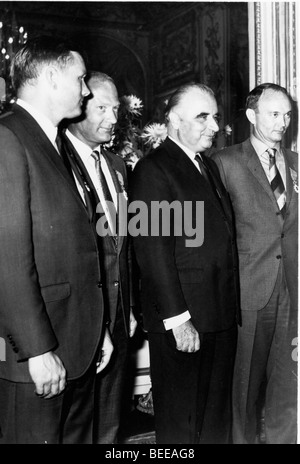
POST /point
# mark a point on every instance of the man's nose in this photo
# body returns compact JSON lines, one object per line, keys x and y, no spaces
{"x":84,"y":89}
{"x":112,"y":116}
{"x":213,"y":125}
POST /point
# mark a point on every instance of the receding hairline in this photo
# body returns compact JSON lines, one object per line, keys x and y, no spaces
{"x":177,"y":98}
{"x":98,"y":78}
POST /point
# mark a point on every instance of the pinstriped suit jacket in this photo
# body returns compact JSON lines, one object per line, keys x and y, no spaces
{"x":115,"y":257}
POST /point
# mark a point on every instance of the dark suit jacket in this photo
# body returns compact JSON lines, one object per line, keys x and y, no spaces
{"x":50,"y":297}
{"x":174,"y":277}
{"x":264,"y":238}
{"x":114,"y":255}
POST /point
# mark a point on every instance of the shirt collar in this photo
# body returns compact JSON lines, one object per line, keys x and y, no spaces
{"x":186,"y":150}
{"x":260,"y":147}
{"x":82,"y":148}
{"x":45,"y":123}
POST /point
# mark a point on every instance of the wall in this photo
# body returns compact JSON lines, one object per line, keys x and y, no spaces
{"x":208,"y":43}
{"x":273,"y":41}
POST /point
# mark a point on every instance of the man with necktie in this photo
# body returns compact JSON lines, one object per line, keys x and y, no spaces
{"x":189,"y":291}
{"x":261,"y":179}
{"x":101,"y":179}
{"x":51,"y":305}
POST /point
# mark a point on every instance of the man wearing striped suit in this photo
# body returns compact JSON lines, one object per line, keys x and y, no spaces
{"x":101,"y":178}
{"x":261,"y":178}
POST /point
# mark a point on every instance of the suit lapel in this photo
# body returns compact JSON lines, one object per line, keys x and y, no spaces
{"x":290,"y":173}
{"x":196,"y":181}
{"x":45,"y":147}
{"x":119,"y":191}
{"x":82,"y":177}
{"x":222,"y":201}
{"x":255,"y":167}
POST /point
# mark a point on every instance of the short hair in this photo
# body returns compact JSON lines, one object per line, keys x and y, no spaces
{"x":178,"y":95}
{"x":257,"y":92}
{"x":100,"y":77}
{"x":37,"y":52}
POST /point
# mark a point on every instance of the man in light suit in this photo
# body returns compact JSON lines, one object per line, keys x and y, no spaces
{"x":82,"y":139}
{"x":266,"y":216}
{"x":189,"y":289}
{"x":51,"y":303}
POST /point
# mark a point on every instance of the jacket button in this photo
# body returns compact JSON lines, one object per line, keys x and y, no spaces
{"x":282,"y":235}
{"x":99,"y":284}
{"x":116,"y":283}
{"x":278,"y":256}
{"x":9,"y":337}
{"x":16,"y":350}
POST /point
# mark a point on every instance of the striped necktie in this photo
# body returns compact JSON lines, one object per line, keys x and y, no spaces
{"x":105,"y":189}
{"x":276,"y":181}
{"x":110,"y":209}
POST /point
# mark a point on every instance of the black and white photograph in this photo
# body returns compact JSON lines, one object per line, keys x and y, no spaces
{"x":149,"y":225}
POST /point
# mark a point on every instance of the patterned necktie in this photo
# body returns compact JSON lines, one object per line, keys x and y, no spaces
{"x":106,"y":192}
{"x":110,"y":210}
{"x":276,"y":181}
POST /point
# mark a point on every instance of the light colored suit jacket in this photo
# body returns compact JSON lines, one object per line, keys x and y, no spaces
{"x":264,"y":237}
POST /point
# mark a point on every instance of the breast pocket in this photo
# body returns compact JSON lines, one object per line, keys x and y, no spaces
{"x":56,"y":292}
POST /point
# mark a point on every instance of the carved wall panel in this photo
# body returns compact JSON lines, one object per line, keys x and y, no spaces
{"x":274,"y":36}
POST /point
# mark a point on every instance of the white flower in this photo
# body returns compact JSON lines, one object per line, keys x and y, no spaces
{"x":227,"y":130}
{"x":133,"y":104}
{"x":294,"y":177}
{"x":154,"y":134}
{"x":121,"y":182}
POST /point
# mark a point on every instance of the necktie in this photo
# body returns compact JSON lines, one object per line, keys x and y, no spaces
{"x":110,"y":210}
{"x":58,"y":142}
{"x":276,"y":181}
{"x":103,"y":182}
{"x":208,"y":177}
{"x":62,"y":152}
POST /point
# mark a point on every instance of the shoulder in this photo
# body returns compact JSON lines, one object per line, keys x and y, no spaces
{"x":233,"y":150}
{"x":292,"y":158}
{"x":233,"y":155}
{"x":116,"y":161}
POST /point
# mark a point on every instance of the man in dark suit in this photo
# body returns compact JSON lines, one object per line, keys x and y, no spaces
{"x":189,"y":289}
{"x":262,"y":180}
{"x":83,"y":147}
{"x":51,"y":303}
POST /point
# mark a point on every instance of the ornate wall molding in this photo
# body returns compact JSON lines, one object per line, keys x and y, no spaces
{"x":273,"y":40}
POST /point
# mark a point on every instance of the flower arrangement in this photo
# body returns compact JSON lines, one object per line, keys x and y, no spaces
{"x":154,"y":134}
{"x":130,"y":140}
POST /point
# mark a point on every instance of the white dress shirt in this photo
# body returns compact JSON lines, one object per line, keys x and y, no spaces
{"x":188,"y":152}
{"x":260,"y":148}
{"x":85,"y":153}
{"x":42,"y":120}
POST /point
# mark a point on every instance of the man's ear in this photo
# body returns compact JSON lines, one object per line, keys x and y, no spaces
{"x":174,"y":119}
{"x":251,"y":115}
{"x":51,"y":76}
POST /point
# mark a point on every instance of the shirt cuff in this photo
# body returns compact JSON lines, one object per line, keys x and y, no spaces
{"x":176,"y":321}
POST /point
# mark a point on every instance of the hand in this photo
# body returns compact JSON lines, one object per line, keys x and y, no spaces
{"x":106,"y":352}
{"x":132,"y":324}
{"x":186,"y":337}
{"x":48,"y":374}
